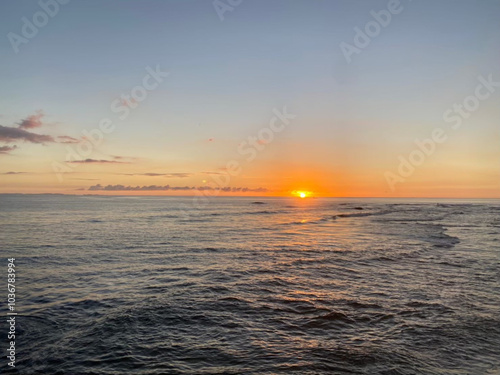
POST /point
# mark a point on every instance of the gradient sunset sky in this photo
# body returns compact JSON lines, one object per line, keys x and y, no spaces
{"x":227,"y":80}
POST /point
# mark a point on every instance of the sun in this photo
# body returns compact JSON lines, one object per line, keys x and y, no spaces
{"x":301,"y":194}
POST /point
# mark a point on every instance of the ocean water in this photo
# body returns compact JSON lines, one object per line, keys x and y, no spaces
{"x":146,"y":285}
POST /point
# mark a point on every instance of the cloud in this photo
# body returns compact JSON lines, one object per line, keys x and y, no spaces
{"x":95,"y":161}
{"x":168,"y":175}
{"x":7,"y":149}
{"x":14,"y":173}
{"x":67,"y":139}
{"x":124,"y":159}
{"x":14,"y":134}
{"x":147,"y":174}
{"x":177,"y":175}
{"x":99,"y":187}
{"x":33,"y":121}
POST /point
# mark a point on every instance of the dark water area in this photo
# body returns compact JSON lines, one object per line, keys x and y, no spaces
{"x":151,"y":285}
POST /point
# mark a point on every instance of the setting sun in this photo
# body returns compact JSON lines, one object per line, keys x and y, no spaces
{"x":301,"y":194}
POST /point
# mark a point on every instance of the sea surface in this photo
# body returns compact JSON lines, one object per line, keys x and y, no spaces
{"x":161,"y":285}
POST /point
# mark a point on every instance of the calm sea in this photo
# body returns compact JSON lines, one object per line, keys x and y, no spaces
{"x":151,"y":285}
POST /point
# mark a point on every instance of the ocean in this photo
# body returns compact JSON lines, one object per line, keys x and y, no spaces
{"x":154,"y":285}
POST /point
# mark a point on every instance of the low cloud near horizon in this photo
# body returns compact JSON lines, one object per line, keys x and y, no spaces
{"x":99,"y":187}
{"x":168,"y":175}
{"x":13,"y":172}
{"x":98,"y":161}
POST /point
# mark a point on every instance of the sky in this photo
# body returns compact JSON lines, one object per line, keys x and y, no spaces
{"x":252,"y":97}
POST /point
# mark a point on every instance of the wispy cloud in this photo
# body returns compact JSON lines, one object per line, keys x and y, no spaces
{"x":97,"y":161}
{"x":177,"y":175}
{"x":16,"y":134}
{"x":7,"y":149}
{"x":33,"y":121}
{"x":168,"y":175}
{"x":128,"y":158}
{"x":14,"y":173}
{"x":99,"y":187}
{"x":10,"y":134}
{"x":67,"y":139}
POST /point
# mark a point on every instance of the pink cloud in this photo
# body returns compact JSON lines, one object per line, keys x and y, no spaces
{"x":33,"y":121}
